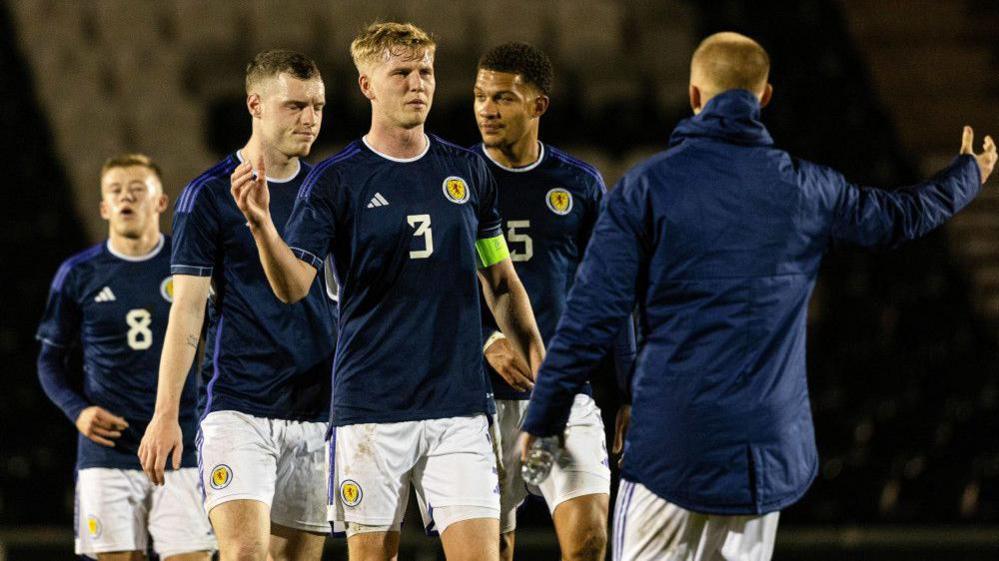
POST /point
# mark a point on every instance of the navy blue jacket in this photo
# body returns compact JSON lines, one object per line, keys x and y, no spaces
{"x":719,"y":241}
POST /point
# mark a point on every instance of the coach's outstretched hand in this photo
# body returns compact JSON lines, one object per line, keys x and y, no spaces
{"x":987,"y":159}
{"x":162,"y":436}
{"x":100,"y":425}
{"x":251,"y":193}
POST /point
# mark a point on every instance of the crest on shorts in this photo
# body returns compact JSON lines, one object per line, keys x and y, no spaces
{"x":94,"y":526}
{"x":559,"y":201}
{"x":166,"y":289}
{"x":221,"y":476}
{"x":350,"y":492}
{"x":456,"y":190}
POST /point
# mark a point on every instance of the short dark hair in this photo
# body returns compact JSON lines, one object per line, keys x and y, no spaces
{"x":530,"y":62}
{"x":276,"y":61}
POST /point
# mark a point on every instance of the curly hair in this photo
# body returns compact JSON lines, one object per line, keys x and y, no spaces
{"x":533,"y":65}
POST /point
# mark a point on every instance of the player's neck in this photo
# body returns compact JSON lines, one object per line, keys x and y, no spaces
{"x":134,"y":247}
{"x":520,"y":154}
{"x":279,"y":166}
{"x":395,"y":141}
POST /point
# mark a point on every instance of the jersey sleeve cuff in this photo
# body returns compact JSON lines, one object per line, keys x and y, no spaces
{"x":490,"y":231}
{"x":308,"y":257}
{"x":50,"y":342}
{"x":193,"y":270}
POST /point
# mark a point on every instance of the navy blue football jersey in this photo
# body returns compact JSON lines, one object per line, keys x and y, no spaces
{"x":264,"y":357}
{"x":402,"y":234}
{"x":549,"y":209}
{"x":116,"y":308}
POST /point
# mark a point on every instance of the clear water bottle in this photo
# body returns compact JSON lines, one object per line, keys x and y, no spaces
{"x":540,"y":459}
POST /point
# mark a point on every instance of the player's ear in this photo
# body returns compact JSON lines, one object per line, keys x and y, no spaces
{"x":541,"y":104}
{"x":105,"y":210}
{"x":253,"y":105}
{"x":162,"y":202}
{"x":365,"y":83}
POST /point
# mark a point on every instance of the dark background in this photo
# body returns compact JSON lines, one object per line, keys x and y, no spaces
{"x":903,"y":376}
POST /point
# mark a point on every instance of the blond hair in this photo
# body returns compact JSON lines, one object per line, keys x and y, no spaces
{"x":131,"y":160}
{"x":382,"y":39}
{"x":729,"y":61}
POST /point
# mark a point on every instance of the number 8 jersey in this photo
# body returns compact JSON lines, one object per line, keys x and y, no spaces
{"x":116,"y":307}
{"x":406,"y":237}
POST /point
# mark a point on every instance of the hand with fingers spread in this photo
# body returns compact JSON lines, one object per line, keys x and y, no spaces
{"x":509,"y":365}
{"x":100,"y":425}
{"x":249,"y":188}
{"x":163,"y":436}
{"x":987,"y":159}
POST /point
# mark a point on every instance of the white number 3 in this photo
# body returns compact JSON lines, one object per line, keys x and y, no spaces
{"x":422,"y":224}
{"x":140,"y":337}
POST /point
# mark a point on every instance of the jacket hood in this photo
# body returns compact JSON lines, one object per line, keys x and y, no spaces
{"x":731,"y":116}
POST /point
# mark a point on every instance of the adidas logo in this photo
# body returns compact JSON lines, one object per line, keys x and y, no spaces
{"x":105,"y":295}
{"x":377,"y":200}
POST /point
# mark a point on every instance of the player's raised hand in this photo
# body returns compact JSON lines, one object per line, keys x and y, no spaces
{"x":509,"y":365}
{"x":162,"y":437}
{"x":100,"y":425}
{"x":249,"y":189}
{"x":987,"y":159}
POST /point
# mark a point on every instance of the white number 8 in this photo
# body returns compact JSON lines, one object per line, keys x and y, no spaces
{"x":140,"y":337}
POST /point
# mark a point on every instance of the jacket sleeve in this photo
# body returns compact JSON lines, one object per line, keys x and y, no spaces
{"x":871,"y":217}
{"x":600,"y":301}
{"x":625,"y":350}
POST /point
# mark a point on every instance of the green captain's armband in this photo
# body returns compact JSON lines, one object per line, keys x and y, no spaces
{"x":491,"y":251}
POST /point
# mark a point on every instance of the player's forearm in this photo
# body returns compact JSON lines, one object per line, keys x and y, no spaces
{"x":511,"y":308}
{"x":53,"y":374}
{"x":289,"y":277}
{"x":180,"y":344}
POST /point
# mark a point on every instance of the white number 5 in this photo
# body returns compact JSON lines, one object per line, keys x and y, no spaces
{"x":422,"y":224}
{"x":520,"y":237}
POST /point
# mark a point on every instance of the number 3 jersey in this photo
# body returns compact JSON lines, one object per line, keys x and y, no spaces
{"x":404,"y":236}
{"x":116,"y":307}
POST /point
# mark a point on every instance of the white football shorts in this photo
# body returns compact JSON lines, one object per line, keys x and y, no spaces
{"x":647,"y":527}
{"x":278,"y":462}
{"x":449,"y":462}
{"x":583,"y":470}
{"x":120,"y":510}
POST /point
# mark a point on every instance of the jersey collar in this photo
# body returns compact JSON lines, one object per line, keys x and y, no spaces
{"x":364,"y":139}
{"x":521,"y":169}
{"x":137,"y":258}
{"x":271,"y":179}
